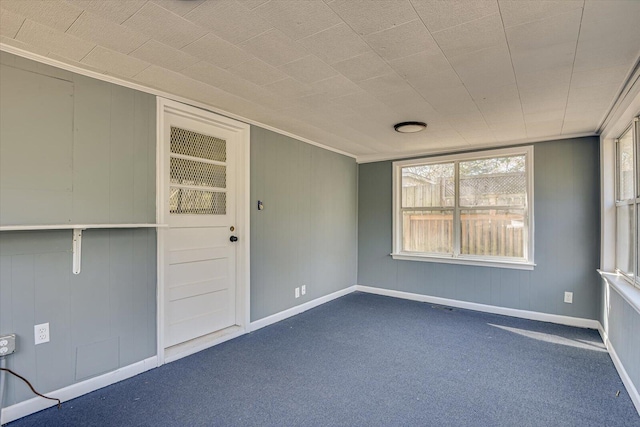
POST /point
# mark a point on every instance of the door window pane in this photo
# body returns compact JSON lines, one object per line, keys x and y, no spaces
{"x":195,"y":144}
{"x":493,"y":232}
{"x":427,"y":231}
{"x":184,"y":201}
{"x":191,"y":172}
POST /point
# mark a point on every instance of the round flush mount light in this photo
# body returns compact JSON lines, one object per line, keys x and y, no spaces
{"x":410,"y":127}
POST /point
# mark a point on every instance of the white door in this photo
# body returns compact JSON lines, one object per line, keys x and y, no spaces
{"x":200,"y":194}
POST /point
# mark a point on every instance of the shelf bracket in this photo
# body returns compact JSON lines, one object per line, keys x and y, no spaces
{"x":77,"y":250}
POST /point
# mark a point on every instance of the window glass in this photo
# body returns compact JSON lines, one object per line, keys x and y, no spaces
{"x":499,"y":181}
{"x":625,"y":231}
{"x":493,"y":232}
{"x":427,"y":231}
{"x":626,"y":173}
{"x":428,"y":186}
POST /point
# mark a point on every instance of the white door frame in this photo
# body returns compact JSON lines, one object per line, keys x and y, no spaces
{"x":242,"y":213}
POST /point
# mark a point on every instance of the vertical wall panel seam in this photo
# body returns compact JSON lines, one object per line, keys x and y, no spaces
{"x":110,"y":152}
{"x":73,"y":150}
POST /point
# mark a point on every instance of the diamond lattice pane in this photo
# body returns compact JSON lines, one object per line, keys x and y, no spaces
{"x":191,"y":172}
{"x":195,"y":144}
{"x":184,"y":201}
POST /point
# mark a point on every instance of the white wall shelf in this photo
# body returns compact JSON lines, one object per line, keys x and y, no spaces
{"x":77,"y":234}
{"x":75,"y":226}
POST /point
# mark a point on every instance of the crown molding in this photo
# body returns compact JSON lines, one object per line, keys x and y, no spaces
{"x":371,"y":158}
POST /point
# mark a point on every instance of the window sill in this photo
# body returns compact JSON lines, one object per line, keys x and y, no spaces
{"x":630,"y":293}
{"x":465,"y":261}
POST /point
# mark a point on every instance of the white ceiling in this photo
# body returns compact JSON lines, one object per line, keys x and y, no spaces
{"x":343,"y":72}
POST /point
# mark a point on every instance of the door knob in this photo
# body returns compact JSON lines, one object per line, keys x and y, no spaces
{"x":233,"y":238}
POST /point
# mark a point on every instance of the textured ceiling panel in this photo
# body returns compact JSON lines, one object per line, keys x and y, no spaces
{"x":439,"y":15}
{"x":114,"y":62}
{"x":52,"y":13}
{"x":308,"y":69}
{"x":403,"y":40}
{"x":335,"y":44}
{"x":106,"y":33}
{"x":10,"y":23}
{"x":217,"y":51}
{"x":298,"y":19}
{"x":385,"y":84}
{"x":117,"y":11}
{"x":274,"y":48}
{"x":228,"y":20}
{"x":335,"y":86}
{"x":520,"y":12}
{"x":484,"y":69}
{"x":164,"y":26}
{"x":249,"y":4}
{"x":258,"y":72}
{"x":342,"y":72}
{"x":179,"y":7}
{"x":472,"y":36}
{"x":54,"y":41}
{"x":362,"y":67}
{"x":165,"y":56}
{"x":366,"y":17}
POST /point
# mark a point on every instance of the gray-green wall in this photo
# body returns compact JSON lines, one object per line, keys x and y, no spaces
{"x":306,"y":234}
{"x":567,"y":235}
{"x":75,"y":150}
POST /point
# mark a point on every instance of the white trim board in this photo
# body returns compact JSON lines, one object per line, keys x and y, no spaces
{"x":513,"y":312}
{"x":624,"y":376}
{"x":28,"y":407}
{"x":274,"y":318}
{"x":142,"y":88}
{"x":372,"y":158}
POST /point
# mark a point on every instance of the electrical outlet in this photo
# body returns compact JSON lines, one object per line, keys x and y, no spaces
{"x":41,"y":333}
{"x":303,"y":289}
{"x":568,"y":297}
{"x":297,"y":292}
{"x":7,"y":344}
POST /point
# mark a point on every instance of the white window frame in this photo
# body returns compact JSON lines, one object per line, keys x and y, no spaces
{"x":634,"y":127}
{"x":525,"y":263}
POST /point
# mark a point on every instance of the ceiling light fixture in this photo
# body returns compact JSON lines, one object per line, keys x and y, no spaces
{"x":410,"y":127}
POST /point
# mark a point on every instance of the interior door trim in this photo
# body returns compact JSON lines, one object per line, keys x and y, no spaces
{"x":242,"y":213}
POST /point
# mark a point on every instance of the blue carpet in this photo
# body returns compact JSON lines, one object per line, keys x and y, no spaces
{"x":368,"y":360}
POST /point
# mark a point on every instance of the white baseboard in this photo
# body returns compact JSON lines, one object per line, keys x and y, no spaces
{"x":36,"y":404}
{"x":274,"y":318}
{"x":626,"y":380}
{"x":523,"y":314}
{"x":31,"y":406}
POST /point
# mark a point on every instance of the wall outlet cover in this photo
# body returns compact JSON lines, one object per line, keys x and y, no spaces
{"x":303,"y":289}
{"x":41,"y":333}
{"x":297,"y":292}
{"x":568,"y":297}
